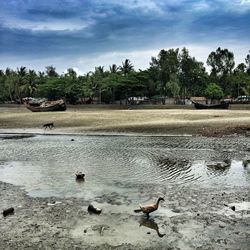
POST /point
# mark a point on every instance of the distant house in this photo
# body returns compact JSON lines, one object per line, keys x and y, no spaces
{"x":138,"y":100}
{"x":199,"y":99}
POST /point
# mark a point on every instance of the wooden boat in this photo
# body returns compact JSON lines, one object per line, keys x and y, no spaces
{"x":58,"y":105}
{"x":223,"y":105}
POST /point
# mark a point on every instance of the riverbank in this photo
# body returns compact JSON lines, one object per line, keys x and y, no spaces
{"x":140,"y":121}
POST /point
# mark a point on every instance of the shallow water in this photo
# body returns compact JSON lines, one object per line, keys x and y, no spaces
{"x":45,"y":165}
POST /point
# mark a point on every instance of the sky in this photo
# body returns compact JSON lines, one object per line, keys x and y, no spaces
{"x":83,"y":34}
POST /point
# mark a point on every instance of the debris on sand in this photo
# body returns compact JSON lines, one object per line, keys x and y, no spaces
{"x":8,"y":211}
{"x":95,"y":210}
{"x":80,"y":176}
{"x":232,"y":207}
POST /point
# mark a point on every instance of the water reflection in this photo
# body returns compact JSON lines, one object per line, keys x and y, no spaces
{"x":150,"y":223}
{"x":218,"y":168}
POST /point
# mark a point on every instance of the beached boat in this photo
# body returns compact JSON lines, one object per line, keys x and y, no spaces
{"x":223,"y":105}
{"x":46,"y":106}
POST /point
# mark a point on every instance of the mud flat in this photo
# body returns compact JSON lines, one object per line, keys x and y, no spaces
{"x":190,"y":218}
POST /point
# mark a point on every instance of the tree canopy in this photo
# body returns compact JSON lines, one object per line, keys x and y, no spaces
{"x":172,"y":73}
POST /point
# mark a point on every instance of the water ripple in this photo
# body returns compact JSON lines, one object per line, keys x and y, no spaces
{"x":49,"y":162}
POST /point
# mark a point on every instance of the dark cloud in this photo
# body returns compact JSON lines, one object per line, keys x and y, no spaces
{"x":75,"y":27}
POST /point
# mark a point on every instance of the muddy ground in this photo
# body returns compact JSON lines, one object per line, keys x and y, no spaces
{"x":190,"y":218}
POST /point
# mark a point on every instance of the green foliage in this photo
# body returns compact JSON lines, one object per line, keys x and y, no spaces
{"x":222,"y":64}
{"x":172,"y":73}
{"x":193,"y":76}
{"x":214,"y":91}
{"x":221,"y":61}
{"x":172,"y":86}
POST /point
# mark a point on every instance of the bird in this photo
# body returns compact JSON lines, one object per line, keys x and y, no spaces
{"x":149,"y":208}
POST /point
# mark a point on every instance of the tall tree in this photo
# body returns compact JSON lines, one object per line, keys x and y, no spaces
{"x":71,"y":73}
{"x":221,"y":61}
{"x":166,"y":63}
{"x":126,"y":67}
{"x":192,"y":74}
{"x":51,"y":71}
{"x":222,"y":64}
{"x":97,"y":80}
{"x":241,"y":68}
{"x":30,"y":85}
{"x":247,"y":60}
{"x":173,"y":86}
{"x":113,"y":68}
{"x":21,"y":81}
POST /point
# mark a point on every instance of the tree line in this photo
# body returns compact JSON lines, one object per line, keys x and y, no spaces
{"x":173,"y":73}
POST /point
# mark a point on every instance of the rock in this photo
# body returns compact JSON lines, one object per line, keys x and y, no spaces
{"x":232,"y":207}
{"x":8,"y":211}
{"x":95,"y":210}
{"x":80,"y":176}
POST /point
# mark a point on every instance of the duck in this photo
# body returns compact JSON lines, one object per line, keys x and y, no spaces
{"x":149,"y":208}
{"x":80,"y":176}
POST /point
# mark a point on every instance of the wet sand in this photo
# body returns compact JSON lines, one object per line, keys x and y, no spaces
{"x":190,"y":218}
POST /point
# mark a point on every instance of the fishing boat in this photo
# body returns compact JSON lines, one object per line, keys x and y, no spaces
{"x":46,"y":106}
{"x":223,"y":105}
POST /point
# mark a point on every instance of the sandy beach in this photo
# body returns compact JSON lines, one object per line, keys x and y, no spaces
{"x":113,"y":120}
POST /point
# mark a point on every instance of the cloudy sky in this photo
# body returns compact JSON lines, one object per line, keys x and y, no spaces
{"x":86,"y":33}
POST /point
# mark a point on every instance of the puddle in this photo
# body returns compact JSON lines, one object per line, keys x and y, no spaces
{"x":116,"y":229}
{"x":46,"y":165}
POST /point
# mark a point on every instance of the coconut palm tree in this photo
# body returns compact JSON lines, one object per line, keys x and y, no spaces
{"x":126,"y":67}
{"x":30,"y":85}
{"x":113,"y":68}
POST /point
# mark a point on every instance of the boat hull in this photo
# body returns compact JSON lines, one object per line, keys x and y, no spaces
{"x":48,"y":107}
{"x":211,"y":106}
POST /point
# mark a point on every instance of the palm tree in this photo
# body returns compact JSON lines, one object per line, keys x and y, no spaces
{"x":113,"y":68}
{"x":21,"y":80}
{"x":10,"y":82}
{"x":98,"y":77}
{"x":30,"y":85}
{"x":126,"y":67}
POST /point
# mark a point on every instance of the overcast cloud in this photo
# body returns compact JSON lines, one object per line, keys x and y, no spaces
{"x":88,"y":33}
